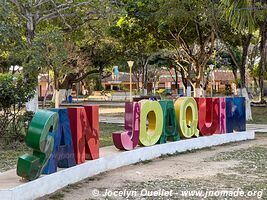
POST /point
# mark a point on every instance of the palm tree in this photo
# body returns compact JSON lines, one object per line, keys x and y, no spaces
{"x":240,"y":14}
{"x":263,"y":51}
{"x":247,"y":15}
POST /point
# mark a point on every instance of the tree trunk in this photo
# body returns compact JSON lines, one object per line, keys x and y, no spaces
{"x":143,"y":78}
{"x":46,"y":92}
{"x":176,"y":80}
{"x":197,"y":89}
{"x":263,"y":34}
{"x":146,"y":79}
{"x":245,"y":45}
{"x":56,"y":88}
{"x":31,"y":105}
{"x":244,"y":93}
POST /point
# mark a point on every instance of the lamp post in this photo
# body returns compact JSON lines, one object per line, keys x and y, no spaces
{"x":130,"y":64}
{"x":154,"y":85}
{"x":211,"y":68}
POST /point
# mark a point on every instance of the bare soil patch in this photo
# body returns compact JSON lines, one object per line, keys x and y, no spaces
{"x":233,"y":166}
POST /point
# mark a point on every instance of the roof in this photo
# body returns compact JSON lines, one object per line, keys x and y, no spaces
{"x":43,"y":77}
{"x":227,"y":76}
{"x":123,"y":77}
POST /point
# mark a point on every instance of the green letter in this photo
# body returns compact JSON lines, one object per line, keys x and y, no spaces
{"x":39,"y":138}
{"x":170,"y":128}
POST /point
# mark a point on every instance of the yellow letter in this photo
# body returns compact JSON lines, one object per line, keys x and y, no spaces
{"x":187,"y":116}
{"x":151,"y":111}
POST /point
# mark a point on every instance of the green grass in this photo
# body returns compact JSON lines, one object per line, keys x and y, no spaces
{"x":259,"y":115}
{"x":9,"y":154}
{"x":57,"y":195}
{"x":106,"y":131}
{"x":121,"y":114}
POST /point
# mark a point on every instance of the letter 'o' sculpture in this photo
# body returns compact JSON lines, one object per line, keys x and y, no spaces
{"x":40,"y":138}
{"x":187,"y":116}
{"x":151,"y":111}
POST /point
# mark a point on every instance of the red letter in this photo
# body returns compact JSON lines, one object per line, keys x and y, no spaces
{"x":84,"y":128}
{"x":208,"y":115}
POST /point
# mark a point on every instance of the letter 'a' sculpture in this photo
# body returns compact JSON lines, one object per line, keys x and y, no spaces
{"x":63,"y":154}
{"x":40,"y":138}
{"x":170,"y":128}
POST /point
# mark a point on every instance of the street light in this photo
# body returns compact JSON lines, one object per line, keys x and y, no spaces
{"x":130,"y":64}
{"x":212,"y":77}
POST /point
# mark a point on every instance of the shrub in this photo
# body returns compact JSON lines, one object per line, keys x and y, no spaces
{"x":14,"y":92}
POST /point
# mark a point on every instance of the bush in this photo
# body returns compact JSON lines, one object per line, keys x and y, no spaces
{"x":14,"y":92}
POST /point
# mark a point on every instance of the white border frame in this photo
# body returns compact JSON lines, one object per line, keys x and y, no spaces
{"x":50,"y":183}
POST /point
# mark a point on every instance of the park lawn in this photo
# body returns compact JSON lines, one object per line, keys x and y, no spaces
{"x":259,"y":115}
{"x":106,"y":131}
{"x":10,"y":153}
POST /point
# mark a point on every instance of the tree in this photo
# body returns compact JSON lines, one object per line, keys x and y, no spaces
{"x":185,"y":27}
{"x":164,"y":58}
{"x":242,"y":20}
{"x":10,"y":41}
{"x":251,"y":15}
{"x":48,"y":53}
{"x":33,"y":15}
{"x":263,"y":51}
{"x":135,"y":32}
{"x":241,"y":16}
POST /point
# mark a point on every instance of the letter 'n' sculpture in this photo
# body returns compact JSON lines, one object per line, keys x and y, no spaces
{"x":85,"y":133}
{"x":128,"y":139}
{"x":235,"y":114}
{"x":40,"y":138}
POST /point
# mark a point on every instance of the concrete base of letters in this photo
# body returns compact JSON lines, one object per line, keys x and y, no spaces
{"x":13,"y":187}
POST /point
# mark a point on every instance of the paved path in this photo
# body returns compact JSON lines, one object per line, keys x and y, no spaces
{"x":111,"y":120}
{"x":100,"y":103}
{"x":219,"y":168}
{"x":257,"y":127}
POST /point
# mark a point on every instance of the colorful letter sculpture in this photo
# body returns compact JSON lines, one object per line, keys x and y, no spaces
{"x":187,"y":116}
{"x":235,"y":114}
{"x":222,"y":116}
{"x":208,"y":115}
{"x":170,"y":128}
{"x":128,"y":139}
{"x":147,"y":122}
{"x":84,"y":133}
{"x":40,"y":138}
{"x":63,"y":154}
{"x":92,"y":113}
{"x":151,"y":111}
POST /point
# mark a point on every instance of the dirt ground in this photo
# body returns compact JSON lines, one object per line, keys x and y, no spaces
{"x":238,"y":167}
